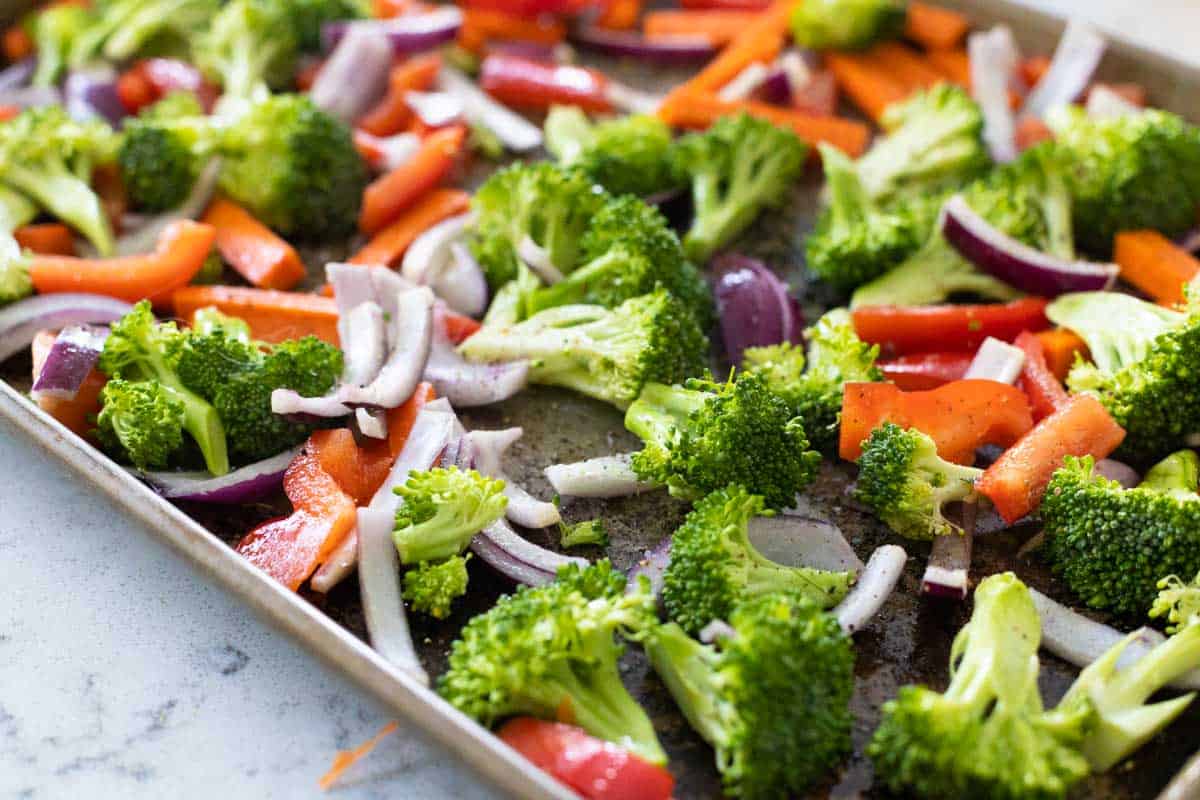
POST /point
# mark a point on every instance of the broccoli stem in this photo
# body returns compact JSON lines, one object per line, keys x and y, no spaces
{"x":684,"y":666}
{"x":1177,"y":473}
{"x":847,"y":197}
{"x":660,"y":409}
{"x":764,"y":577}
{"x":200,"y":418}
{"x":931,"y":275}
{"x":66,"y":196}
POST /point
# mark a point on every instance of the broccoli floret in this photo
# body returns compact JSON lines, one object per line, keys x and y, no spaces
{"x":55,"y":31}
{"x":714,"y":566}
{"x":579,"y":534}
{"x":432,"y":587}
{"x":987,"y":736}
{"x":772,"y":699}
{"x":934,"y":143}
{"x":1111,"y":545}
{"x":122,"y":29}
{"x":309,"y":366}
{"x":1179,"y":602}
{"x":218,"y":350}
{"x":295,"y":168}
{"x":309,"y":16}
{"x":902,"y":479}
{"x":627,"y":155}
{"x":1132,"y":171}
{"x":47,"y":156}
{"x":847,"y":24}
{"x":548,"y":651}
{"x":140,"y":422}
{"x":250,"y":48}
{"x":163,"y":151}
{"x":836,"y":357}
{"x":15,"y":210}
{"x":628,"y":250}
{"x":548,"y":204}
{"x":737,"y":168}
{"x":139,"y":349}
{"x":609,"y":354}
{"x":510,"y":301}
{"x":857,"y":239}
{"x":1144,"y":367}
{"x":704,"y":436}
{"x":441,"y":511}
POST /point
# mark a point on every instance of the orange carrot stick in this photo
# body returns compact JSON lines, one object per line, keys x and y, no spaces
{"x":1153,"y":263}
{"x":699,"y":111}
{"x":391,"y":194}
{"x":389,"y":244}
{"x":954,"y":65}
{"x":906,"y":65}
{"x":619,"y":15}
{"x":868,"y":87}
{"x":254,"y":250}
{"x":761,"y":40}
{"x":18,"y":44}
{"x":935,"y":28}
{"x":348,"y":758}
{"x":273,"y":316}
{"x":1061,"y":346}
{"x":181,"y":251}
{"x":1032,"y":69}
{"x":391,"y":114}
{"x":483,"y":25}
{"x":49,"y":238}
{"x":719,"y":27}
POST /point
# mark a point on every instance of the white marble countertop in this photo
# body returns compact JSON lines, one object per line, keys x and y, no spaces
{"x":123,"y":673}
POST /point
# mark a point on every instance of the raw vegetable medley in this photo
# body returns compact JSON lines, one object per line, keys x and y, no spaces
{"x":1015,"y":339}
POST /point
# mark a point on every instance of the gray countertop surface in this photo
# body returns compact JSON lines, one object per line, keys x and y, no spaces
{"x":123,"y":673}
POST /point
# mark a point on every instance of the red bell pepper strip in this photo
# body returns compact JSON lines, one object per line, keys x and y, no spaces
{"x":960,"y":416}
{"x":920,"y":371}
{"x":1016,"y":482}
{"x":525,"y":83}
{"x":533,"y":8}
{"x":596,"y":769}
{"x":152,"y":79}
{"x":290,"y":548}
{"x":921,"y":329}
{"x":1046,"y":394}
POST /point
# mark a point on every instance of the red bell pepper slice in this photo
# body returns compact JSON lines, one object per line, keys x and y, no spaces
{"x":1016,"y":482}
{"x":526,"y":83}
{"x":919,"y":371}
{"x":533,"y":8}
{"x":960,"y":416}
{"x":596,"y":769}
{"x":1046,"y":394}
{"x":152,"y":79}
{"x":920,"y":329}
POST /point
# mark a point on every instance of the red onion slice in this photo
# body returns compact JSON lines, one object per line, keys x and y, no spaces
{"x":993,"y":57}
{"x":435,"y":108}
{"x":379,"y":584}
{"x":754,"y":306}
{"x":20,"y":321}
{"x":606,"y":476}
{"x":71,"y":359}
{"x":90,"y":94}
{"x":948,"y":572}
{"x":996,"y":361}
{"x":1118,"y":471}
{"x":488,"y":449}
{"x":776,"y":87}
{"x":1075,"y":60}
{"x":338,"y":566}
{"x":412,"y":332}
{"x":1017,"y":263}
{"x":462,"y":285}
{"x":30,"y":96}
{"x":660,"y":49}
{"x":653,"y":566}
{"x":429,"y":255}
{"x":356,"y":74}
{"x":243,"y":485}
{"x":797,"y":540}
{"x":18,"y":75}
{"x":466,"y":384}
{"x":516,"y":557}
{"x":362,"y":333}
{"x":516,"y":132}
{"x":410,"y":33}
{"x":875,"y":585}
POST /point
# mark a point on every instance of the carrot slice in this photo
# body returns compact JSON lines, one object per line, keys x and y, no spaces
{"x":181,"y":251}
{"x":348,"y":758}
{"x":273,"y":316}
{"x":935,"y":28}
{"x":390,"y":195}
{"x":389,"y":244}
{"x":1061,"y":347}
{"x":79,"y":413}
{"x":18,"y":44}
{"x":905,"y":65}
{"x":870,"y":88}
{"x":699,"y":111}
{"x":391,"y":114}
{"x":49,"y":238}
{"x":719,"y":27}
{"x":619,"y":15}
{"x":1156,"y":265}
{"x":1016,"y":482}
{"x":1032,"y":69}
{"x":761,"y":40}
{"x":254,"y":250}
{"x":483,"y":25}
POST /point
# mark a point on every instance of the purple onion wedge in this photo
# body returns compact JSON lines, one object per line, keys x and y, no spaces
{"x":410,"y":33}
{"x":660,"y":50}
{"x":516,"y":557}
{"x":71,"y":359}
{"x":754,"y":306}
{"x":251,"y":482}
{"x":20,"y":322}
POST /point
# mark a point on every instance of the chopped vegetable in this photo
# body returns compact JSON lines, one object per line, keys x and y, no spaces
{"x":720,"y":26}
{"x":628,"y":155}
{"x":524,"y":83}
{"x":918,"y":371}
{"x":251,"y":248}
{"x":1045,"y":391}
{"x":392,"y":114}
{"x":949,"y":327}
{"x":868,"y":86}
{"x":846,"y":24}
{"x":934,"y":27}
{"x":441,"y":510}
{"x":389,"y":245}
{"x":1154,"y":264}
{"x":390,"y":195}
{"x":587,"y":532}
{"x":432,"y":587}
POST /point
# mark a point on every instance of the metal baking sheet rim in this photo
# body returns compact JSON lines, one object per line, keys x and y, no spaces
{"x":415,"y":703}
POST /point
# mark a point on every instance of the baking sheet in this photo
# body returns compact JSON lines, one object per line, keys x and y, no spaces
{"x":909,"y":642}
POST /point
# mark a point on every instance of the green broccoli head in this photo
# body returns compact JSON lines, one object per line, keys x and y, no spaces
{"x":714,"y":566}
{"x":441,"y":511}
{"x":846,"y":24}
{"x":140,"y":422}
{"x":1112,"y":545}
{"x":431,"y":587}
{"x":737,"y":168}
{"x":295,"y":168}
{"x":856,"y":239}
{"x":56,"y":31}
{"x":1128,"y":172}
{"x":904,"y":481}
{"x":588,"y":532}
{"x":123,"y":29}
{"x":774,"y":735}
{"x":544,"y":202}
{"x":309,"y":16}
{"x":212,"y":355}
{"x":781,"y":365}
{"x":549,"y":651}
{"x":1143,"y":368}
{"x":626,"y":155}
{"x":704,"y":436}
{"x":1179,"y":602}
{"x":250,"y":48}
{"x":49,"y":157}
{"x":163,"y":150}
{"x":986,"y":736}
{"x":609,"y":354}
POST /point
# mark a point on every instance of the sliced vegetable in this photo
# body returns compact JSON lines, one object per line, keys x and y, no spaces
{"x":355,"y":76}
{"x":392,"y":114}
{"x":796,"y":539}
{"x":466,"y":384}
{"x":875,"y":584}
{"x":870,"y":88}
{"x":47,"y":238}
{"x":273,"y":316}
{"x":91,"y":93}
{"x":258,"y":254}
{"x":482,"y":26}
{"x":410,"y":337}
{"x":918,"y":371}
{"x":1045,"y":391}
{"x":919,"y":329}
{"x":143,"y":237}
{"x":993,"y":64}
{"x":934,"y":27}
{"x":905,"y":65}
{"x":513,"y":130}
{"x":523,"y":83}
{"x":619,"y":15}
{"x":960,"y":417}
{"x":720,"y":26}
{"x":605,"y":476}
{"x":948,"y":572}
{"x":390,"y":195}
{"x":79,"y":413}
{"x":662,"y":50}
{"x":21,"y":321}
{"x":244,"y":485}
{"x":390,"y":244}
{"x":754,"y":306}
{"x":1075,"y":61}
{"x":1016,"y":481}
{"x":70,"y":361}
{"x":1154,"y":264}
{"x":487,"y":450}
{"x":409,"y":33}
{"x":348,"y":758}
{"x":1061,"y":347}
{"x":996,"y":361}
{"x":516,"y":557}
{"x":762,"y":40}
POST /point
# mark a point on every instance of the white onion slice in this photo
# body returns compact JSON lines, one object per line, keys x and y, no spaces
{"x":1186,"y":783}
{"x":462,"y":285}
{"x":364,"y":343}
{"x":630,"y":100}
{"x":338,"y":566}
{"x":1075,"y":59}
{"x":796,"y":68}
{"x":875,"y":584}
{"x":518,"y":558}
{"x":1104,"y":103}
{"x":431,"y":432}
{"x":996,"y":361}
{"x":717,"y":629}
{"x":468,"y":385}
{"x":538,"y":259}
{"x":652,"y":566}
{"x":412,"y":327}
{"x":801,"y":540}
{"x":742,"y":85}
{"x":394,"y":151}
{"x":435,"y":108}
{"x":371,"y":422}
{"x":429,"y":255}
{"x":289,"y":402}
{"x":948,"y":572}
{"x":356,"y":74}
{"x":994,"y":58}
{"x":606,"y":476}
{"x":523,"y":508}
{"x":379,"y":583}
{"x":516,"y":132}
